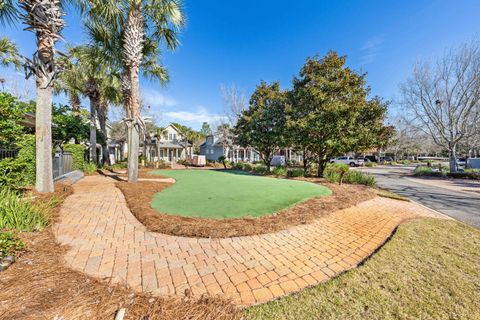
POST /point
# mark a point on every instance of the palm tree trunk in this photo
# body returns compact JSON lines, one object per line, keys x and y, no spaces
{"x":132,"y":49}
{"x":134,"y":129}
{"x":93,"y":127}
{"x":102,"y":119}
{"x":43,"y":137}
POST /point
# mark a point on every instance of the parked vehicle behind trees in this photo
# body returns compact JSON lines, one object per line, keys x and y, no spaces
{"x":350,"y":161}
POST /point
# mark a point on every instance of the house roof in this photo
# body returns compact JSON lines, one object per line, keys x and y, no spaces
{"x":170,"y":144}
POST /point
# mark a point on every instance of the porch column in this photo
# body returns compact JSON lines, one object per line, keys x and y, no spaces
{"x":251,"y":155}
{"x":168,"y":154}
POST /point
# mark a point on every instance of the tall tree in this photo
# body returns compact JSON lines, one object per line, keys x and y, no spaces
{"x":206,"y":129}
{"x":133,"y":29}
{"x":262,"y":125}
{"x":443,"y":99}
{"x":44,"y":18}
{"x":89,"y":73}
{"x":330,"y":112}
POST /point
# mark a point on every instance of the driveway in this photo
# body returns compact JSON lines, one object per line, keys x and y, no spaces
{"x":460,"y":205}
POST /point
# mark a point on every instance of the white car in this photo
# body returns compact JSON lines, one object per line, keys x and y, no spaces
{"x":351,"y":161}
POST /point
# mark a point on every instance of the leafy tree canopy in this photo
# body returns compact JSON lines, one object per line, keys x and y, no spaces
{"x":12,"y":114}
{"x":206,"y":130}
{"x":68,"y":125}
{"x":331,"y":113}
{"x":262,"y":125}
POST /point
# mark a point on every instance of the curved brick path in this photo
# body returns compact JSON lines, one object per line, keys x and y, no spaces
{"x":107,"y":241}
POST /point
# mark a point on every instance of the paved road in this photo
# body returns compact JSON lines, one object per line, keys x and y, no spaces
{"x":463,"y":206}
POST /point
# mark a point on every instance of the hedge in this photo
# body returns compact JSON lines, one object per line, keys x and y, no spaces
{"x":78,"y":154}
{"x":20,"y":171}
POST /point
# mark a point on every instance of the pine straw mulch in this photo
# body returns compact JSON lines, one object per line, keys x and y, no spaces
{"x":140,"y":194}
{"x":40,"y":286}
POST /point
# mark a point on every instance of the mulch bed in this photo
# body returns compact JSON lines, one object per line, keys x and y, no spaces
{"x":40,"y":286}
{"x":139,"y":195}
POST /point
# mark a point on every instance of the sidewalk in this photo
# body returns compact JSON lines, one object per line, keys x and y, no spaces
{"x":106,"y":240}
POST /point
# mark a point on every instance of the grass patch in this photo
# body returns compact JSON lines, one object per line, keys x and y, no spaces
{"x":429,"y":270}
{"x":230,"y":194}
{"x":20,"y":213}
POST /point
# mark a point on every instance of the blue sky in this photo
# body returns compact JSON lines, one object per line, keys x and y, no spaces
{"x":243,"y":42}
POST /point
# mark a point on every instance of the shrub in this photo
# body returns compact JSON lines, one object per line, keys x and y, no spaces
{"x":475,"y":175}
{"x":10,"y":244}
{"x":238,"y":166}
{"x":335,"y":172}
{"x":427,"y":171}
{"x":20,"y":171}
{"x":17,"y":212}
{"x":185,"y":162}
{"x":89,"y":167}
{"x":247,"y":167}
{"x":280,"y":171}
{"x":260,"y":169}
{"x":358,"y":177}
{"x":293,"y":173}
{"x":78,"y":154}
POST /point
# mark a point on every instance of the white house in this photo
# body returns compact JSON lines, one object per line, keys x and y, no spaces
{"x":170,"y":147}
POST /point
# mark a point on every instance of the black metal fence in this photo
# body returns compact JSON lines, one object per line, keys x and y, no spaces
{"x":4,"y":154}
{"x":62,"y":164}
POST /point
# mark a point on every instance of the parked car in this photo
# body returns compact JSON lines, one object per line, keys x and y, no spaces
{"x":386,"y":159}
{"x":371,"y":158}
{"x":278,"y":161}
{"x":351,"y":161}
{"x":461,"y":162}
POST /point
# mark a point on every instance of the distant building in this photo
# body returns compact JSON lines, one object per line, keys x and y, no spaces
{"x":215,"y":147}
{"x":170,"y":147}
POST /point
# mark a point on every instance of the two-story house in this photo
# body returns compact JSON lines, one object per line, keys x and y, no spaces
{"x":170,"y":147}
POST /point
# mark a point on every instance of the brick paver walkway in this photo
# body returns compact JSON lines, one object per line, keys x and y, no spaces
{"x":107,"y":241}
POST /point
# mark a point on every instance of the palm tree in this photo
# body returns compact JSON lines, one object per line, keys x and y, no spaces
{"x":88,"y":73}
{"x":44,"y":18}
{"x":132,"y":29}
{"x":9,"y":54}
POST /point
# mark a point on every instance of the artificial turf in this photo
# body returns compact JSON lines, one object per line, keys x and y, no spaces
{"x":230,"y":194}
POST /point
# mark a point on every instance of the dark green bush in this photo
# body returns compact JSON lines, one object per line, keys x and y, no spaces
{"x":427,"y":171}
{"x":293,"y":173}
{"x":280,"y":171}
{"x":247,"y":167}
{"x":260,"y":169}
{"x":237,"y":166}
{"x":335,"y":172}
{"x":78,"y":154}
{"x":474,"y":175}
{"x":358,"y":177}
{"x":20,"y":171}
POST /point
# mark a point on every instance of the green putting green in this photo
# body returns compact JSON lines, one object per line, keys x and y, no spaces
{"x":230,"y":194}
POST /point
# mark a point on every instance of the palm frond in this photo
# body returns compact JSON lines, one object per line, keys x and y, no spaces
{"x":9,"y":13}
{"x":9,"y":54}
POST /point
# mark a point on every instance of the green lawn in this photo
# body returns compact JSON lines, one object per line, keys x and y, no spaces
{"x":230,"y":194}
{"x":429,"y":270}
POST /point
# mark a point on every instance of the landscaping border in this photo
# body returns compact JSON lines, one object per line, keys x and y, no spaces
{"x":139,"y":195}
